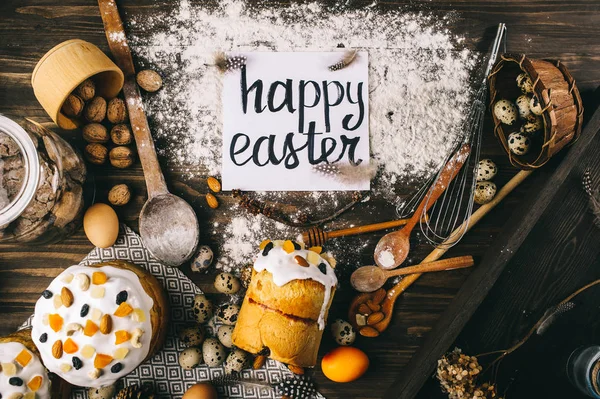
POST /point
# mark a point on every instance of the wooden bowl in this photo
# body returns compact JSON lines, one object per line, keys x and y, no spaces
{"x":65,"y":67}
{"x":558,"y":95}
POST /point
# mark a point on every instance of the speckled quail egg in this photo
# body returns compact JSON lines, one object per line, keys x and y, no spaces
{"x":203,"y":308}
{"x":203,"y":259}
{"x":505,"y":111}
{"x":524,"y":82}
{"x":224,"y":333}
{"x":533,"y":124}
{"x":523,"y":106}
{"x":343,"y":333}
{"x":190,"y":358}
{"x":535,"y":106}
{"x":228,"y":314}
{"x":518,"y":143}
{"x":106,"y":392}
{"x":484,"y":192}
{"x":236,"y":361}
{"x":191,"y":336}
{"x":486,"y":170}
{"x":227,"y":283}
{"x":213,"y":352}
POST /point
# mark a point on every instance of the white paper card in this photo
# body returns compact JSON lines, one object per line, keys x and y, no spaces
{"x":286,"y":116}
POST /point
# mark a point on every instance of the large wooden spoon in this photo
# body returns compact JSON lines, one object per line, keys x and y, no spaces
{"x":371,"y":278}
{"x":392,"y":249}
{"x":168,"y":224}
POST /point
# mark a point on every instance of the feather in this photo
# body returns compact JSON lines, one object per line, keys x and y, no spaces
{"x":552,"y":314}
{"x":586,"y":181}
{"x":349,"y":57}
{"x":346,"y":173}
{"x":297,"y":387}
{"x":225,"y":63}
{"x":594,"y":195}
{"x":221,"y":61}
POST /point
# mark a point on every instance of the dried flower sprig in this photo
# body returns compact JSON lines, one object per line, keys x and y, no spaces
{"x":225,"y":63}
{"x":349,"y":57}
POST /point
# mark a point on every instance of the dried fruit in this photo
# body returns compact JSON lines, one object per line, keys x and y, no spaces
{"x":94,"y":374}
{"x":15,"y":381}
{"x":138,"y":315}
{"x":70,"y":346}
{"x":367,"y":331}
{"x":313,"y":257}
{"x":259,"y":361}
{"x":121,"y":353}
{"x":122,"y":336}
{"x":95,"y":110}
{"x":84,"y":310}
{"x":47,"y":294}
{"x":67,"y":278}
{"x":123,"y":310}
{"x":375,"y":318}
{"x":23,"y":358}
{"x":318,"y":250}
{"x":96,"y":314}
{"x":88,"y":351}
{"x":57,"y":301}
{"x":119,"y":195}
{"x":95,"y":153}
{"x":66,"y":296}
{"x":35,"y":383}
{"x":121,"y":157}
{"x":9,"y":369}
{"x":65,"y":367}
{"x":116,"y":368}
{"x":102,"y":360}
{"x":106,"y":324}
{"x":116,"y":111}
{"x":99,"y":278}
{"x":213,"y":184}
{"x":95,"y":133}
{"x":77,"y":363}
{"x":90,"y":328}
{"x":149,"y":80}
{"x":295,"y":369}
{"x":121,"y":134}
{"x":301,"y":261}
{"x":73,"y":106}
{"x":56,"y":322}
{"x":288,"y":246}
{"x":98,"y":292}
{"x":211,"y":200}
{"x":86,"y":90}
{"x":361,"y":320}
{"x":267,"y":248}
{"x":43,"y":338}
{"x":57,"y":349}
{"x":263,"y":244}
{"x":122,"y":297}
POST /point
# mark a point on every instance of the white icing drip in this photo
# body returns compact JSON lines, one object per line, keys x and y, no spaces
{"x":118,"y":280}
{"x":284,"y":269}
{"x":8,"y":353}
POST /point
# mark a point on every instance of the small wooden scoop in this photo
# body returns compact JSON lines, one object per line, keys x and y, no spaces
{"x":371,"y":278}
{"x":392,"y":249}
{"x":168,"y":224}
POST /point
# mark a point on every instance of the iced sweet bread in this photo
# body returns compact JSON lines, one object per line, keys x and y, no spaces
{"x":285,"y":308}
{"x":22,"y":373}
{"x":96,"y":324}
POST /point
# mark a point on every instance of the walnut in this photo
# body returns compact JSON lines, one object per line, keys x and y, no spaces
{"x":149,"y":80}
{"x":96,"y":153}
{"x":121,"y":157}
{"x":86,"y":90}
{"x":116,"y":112}
{"x":119,"y":195}
{"x":121,"y":134}
{"x":95,"y":110}
{"x":95,"y":133}
{"x":73,"y":106}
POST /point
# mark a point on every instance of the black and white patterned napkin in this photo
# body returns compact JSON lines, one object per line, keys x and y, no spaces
{"x":163,"y":370}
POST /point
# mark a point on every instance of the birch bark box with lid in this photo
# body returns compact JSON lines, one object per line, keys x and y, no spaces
{"x":63,"y":68}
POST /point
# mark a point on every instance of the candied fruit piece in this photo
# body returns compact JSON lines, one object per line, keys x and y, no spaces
{"x":70,"y":346}
{"x":23,"y":358}
{"x":101,"y":360}
{"x":313,"y":258}
{"x":90,"y":328}
{"x":56,"y":322}
{"x":98,"y":292}
{"x":9,"y":369}
{"x":121,"y":353}
{"x":121,"y":336}
{"x":123,"y":310}
{"x":35,"y":383}
{"x":316,"y":249}
{"x":288,"y":246}
{"x":99,"y":278}
{"x":88,"y":351}
{"x":138,"y":315}
{"x":263,"y":244}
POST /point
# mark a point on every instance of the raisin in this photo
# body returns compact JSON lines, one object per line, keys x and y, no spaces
{"x":16,"y":381}
{"x":47,"y":294}
{"x":43,"y":338}
{"x":84,"y":310}
{"x":297,"y":246}
{"x":122,"y":297}
{"x":323,"y":268}
{"x":267,"y":249}
{"x":116,"y":368}
{"x":77,"y":363}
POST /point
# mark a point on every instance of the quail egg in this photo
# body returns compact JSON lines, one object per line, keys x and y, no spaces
{"x":203,"y":308}
{"x":190,"y":358}
{"x":213,"y":352}
{"x":486,"y":170}
{"x":228,"y":314}
{"x":505,"y":111}
{"x":106,"y":392}
{"x":236,"y":361}
{"x":227,"y":283}
{"x":191,"y":336}
{"x":524,"y":82}
{"x":518,"y":143}
{"x":523,"y":106}
{"x":533,"y":124}
{"x":203,"y":259}
{"x":484,"y":192}
{"x":343,"y":333}
{"x":535,"y":106}
{"x":224,"y":333}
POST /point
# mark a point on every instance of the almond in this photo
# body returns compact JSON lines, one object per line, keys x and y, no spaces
{"x":213,"y":184}
{"x":367,"y":331}
{"x":67,"y":297}
{"x":378,"y":296}
{"x":57,"y":349}
{"x":301,"y":261}
{"x":211,"y":200}
{"x":259,"y":361}
{"x":295,"y":369}
{"x":364,"y":309}
{"x":375,"y":318}
{"x":373,"y":306}
{"x":105,"y":324}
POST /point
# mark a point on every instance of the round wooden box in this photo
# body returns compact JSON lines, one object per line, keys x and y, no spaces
{"x":65,"y":67}
{"x":558,"y":95}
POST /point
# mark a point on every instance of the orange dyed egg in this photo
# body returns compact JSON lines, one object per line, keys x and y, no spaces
{"x":344,"y":364}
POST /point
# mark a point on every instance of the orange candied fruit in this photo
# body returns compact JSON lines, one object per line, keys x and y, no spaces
{"x":316,"y":249}
{"x":101,"y":360}
{"x":90,"y":328}
{"x":23,"y":358}
{"x":35,"y":383}
{"x":99,"y":278}
{"x":123,"y":310}
{"x":122,"y":336}
{"x":288,"y":246}
{"x":70,"y":346}
{"x":56,"y":322}
{"x":263,"y":244}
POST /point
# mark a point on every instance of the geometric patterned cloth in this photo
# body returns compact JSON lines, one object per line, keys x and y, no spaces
{"x":163,"y":371}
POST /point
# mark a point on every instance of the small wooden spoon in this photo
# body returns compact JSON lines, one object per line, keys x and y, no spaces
{"x":392,"y":249}
{"x":371,"y":278}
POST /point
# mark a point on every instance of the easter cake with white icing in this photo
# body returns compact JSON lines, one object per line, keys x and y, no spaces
{"x":95,"y":324}
{"x":285,"y":309}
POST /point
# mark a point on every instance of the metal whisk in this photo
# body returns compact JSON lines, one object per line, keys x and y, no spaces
{"x":455,"y":206}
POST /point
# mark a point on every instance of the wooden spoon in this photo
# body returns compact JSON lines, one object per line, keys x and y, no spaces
{"x":371,"y":278}
{"x":392,"y":249}
{"x":168,"y":224}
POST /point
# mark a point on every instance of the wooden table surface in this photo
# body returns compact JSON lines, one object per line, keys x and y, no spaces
{"x":569,"y":31}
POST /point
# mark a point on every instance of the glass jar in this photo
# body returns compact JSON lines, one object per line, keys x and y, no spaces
{"x":41,"y":184}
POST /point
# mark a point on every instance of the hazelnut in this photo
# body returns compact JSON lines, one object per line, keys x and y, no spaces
{"x":121,"y":157}
{"x":121,"y":134}
{"x":119,"y":195}
{"x":95,"y":133}
{"x":149,"y":80}
{"x":95,"y":110}
{"x":86,"y":90}
{"x":116,"y":111}
{"x":96,"y":153}
{"x":72,"y":106}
